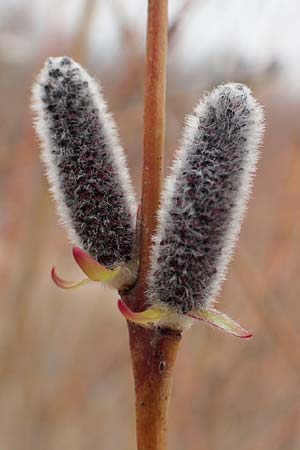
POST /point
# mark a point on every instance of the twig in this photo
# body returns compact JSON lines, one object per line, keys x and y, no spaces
{"x":153,"y":350}
{"x":154,"y":123}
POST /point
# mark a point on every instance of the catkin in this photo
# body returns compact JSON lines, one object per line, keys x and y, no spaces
{"x":204,"y":199}
{"x":85,"y":163}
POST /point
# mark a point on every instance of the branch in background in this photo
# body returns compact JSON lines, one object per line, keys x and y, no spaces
{"x":277,"y":324}
{"x":79,"y":42}
{"x":177,"y":21}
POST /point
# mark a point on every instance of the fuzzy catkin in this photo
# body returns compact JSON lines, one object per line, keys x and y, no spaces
{"x":85,"y":164}
{"x":204,"y":199}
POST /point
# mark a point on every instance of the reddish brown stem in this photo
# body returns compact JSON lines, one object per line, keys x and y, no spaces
{"x":153,"y":353}
{"x":153,"y":350}
{"x":154,"y":123}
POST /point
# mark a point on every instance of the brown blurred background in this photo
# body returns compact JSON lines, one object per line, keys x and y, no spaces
{"x":65,"y":375}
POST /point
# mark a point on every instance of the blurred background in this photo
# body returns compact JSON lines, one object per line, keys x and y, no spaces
{"x":65,"y":375}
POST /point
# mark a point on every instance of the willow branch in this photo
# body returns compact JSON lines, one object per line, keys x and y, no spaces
{"x":154,"y":124}
{"x":153,"y":350}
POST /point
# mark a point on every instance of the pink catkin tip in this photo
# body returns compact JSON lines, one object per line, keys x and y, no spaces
{"x":127,"y":313}
{"x":146,"y":317}
{"x":65,"y":284}
{"x":94,"y":270}
{"x":221,"y":321}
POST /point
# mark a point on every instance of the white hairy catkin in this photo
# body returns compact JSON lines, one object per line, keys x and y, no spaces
{"x":204,"y":199}
{"x":85,"y":163}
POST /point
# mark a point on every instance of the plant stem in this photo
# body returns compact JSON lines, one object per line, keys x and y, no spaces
{"x":153,"y":353}
{"x":153,"y":350}
{"x":154,"y":123}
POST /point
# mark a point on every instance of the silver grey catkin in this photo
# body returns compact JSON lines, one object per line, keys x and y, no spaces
{"x":85,"y":164}
{"x":204,"y":199}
